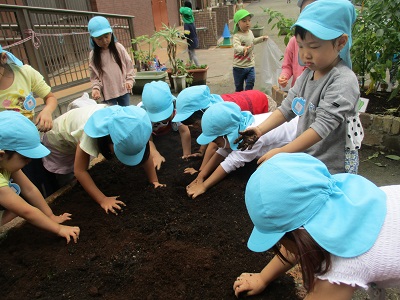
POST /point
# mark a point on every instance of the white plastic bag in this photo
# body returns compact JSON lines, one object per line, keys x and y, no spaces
{"x":81,"y":102}
{"x":271,"y":65}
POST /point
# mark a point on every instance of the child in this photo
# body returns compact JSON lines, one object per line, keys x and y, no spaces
{"x":82,"y":133}
{"x":159,"y":103}
{"x":193,"y":101}
{"x":341,"y":229}
{"x":221,"y":123}
{"x":19,"y":143}
{"x":243,"y":56}
{"x":111,"y":68}
{"x":17,"y":83}
{"x":190,"y":31}
{"x":325,"y":96}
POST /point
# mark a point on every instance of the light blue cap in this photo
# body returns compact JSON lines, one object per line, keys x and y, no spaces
{"x":98,"y":26}
{"x":327,"y":20}
{"x":18,"y":133}
{"x":11,"y":58}
{"x":343,"y":213}
{"x":221,"y":119}
{"x":158,"y":100}
{"x":129,"y":127}
{"x":192,"y":99}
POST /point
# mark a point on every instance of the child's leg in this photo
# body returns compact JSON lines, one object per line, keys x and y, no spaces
{"x":239,"y":74}
{"x":124,"y":100}
{"x":250,"y":78}
{"x":193,"y":57}
{"x":6,"y":216}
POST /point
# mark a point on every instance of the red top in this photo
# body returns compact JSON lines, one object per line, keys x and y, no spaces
{"x":251,"y":100}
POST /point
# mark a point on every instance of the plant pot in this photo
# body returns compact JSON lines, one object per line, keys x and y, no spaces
{"x":257,"y":31}
{"x":179,"y":82}
{"x":199,"y":76}
{"x":144,"y":77}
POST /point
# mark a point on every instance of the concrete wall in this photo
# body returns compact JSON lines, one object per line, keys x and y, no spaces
{"x":382,"y":131}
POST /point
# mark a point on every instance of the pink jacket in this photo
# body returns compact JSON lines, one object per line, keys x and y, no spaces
{"x":290,"y":65}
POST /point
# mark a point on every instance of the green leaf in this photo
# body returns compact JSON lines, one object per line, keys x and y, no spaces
{"x":393,"y":157}
{"x":380,"y":165}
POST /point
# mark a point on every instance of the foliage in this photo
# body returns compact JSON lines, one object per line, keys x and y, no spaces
{"x":172,"y":37}
{"x":192,"y":66}
{"x":282,"y":23}
{"x":144,"y":48}
{"x":376,"y":40}
{"x":180,"y":68}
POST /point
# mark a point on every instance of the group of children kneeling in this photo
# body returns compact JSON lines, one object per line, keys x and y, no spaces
{"x":303,"y":200}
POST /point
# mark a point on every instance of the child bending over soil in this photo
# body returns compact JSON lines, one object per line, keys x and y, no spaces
{"x":19,"y":143}
{"x":221,"y":124}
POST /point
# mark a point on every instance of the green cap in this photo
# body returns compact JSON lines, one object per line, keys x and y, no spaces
{"x":240,"y":14}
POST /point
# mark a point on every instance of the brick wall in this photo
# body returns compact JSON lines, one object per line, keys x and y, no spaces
{"x":379,"y":130}
{"x":141,"y":10}
{"x":222,"y":15}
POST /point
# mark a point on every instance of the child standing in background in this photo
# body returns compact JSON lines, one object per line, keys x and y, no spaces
{"x":19,"y":143}
{"x":111,"y":68}
{"x":243,"y":55}
{"x":325,"y":96}
{"x":190,"y":31}
{"x":17,"y":83}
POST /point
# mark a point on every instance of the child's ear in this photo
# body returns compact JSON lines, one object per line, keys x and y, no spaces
{"x":2,"y":154}
{"x":342,"y":41}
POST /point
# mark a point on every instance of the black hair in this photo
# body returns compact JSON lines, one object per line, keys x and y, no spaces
{"x":104,"y":143}
{"x":301,"y":32}
{"x":146,"y":154}
{"x":188,"y":4}
{"x":10,"y":153}
{"x":97,"y":55}
{"x":195,"y":117}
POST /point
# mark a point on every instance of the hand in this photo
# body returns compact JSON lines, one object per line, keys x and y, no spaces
{"x":96,"y":94}
{"x":251,"y":283}
{"x":157,"y":184}
{"x":283,"y":81}
{"x":197,"y":181}
{"x":112,"y":204}
{"x":69,"y":231}
{"x":61,"y":218}
{"x":158,"y":160}
{"x":248,"y":138}
{"x":193,"y":155}
{"x":268,"y":155}
{"x":246,"y":49}
{"x":44,"y":121}
{"x":195,"y":190}
{"x":265,"y":37}
{"x":128,"y":86}
{"x":190,"y":171}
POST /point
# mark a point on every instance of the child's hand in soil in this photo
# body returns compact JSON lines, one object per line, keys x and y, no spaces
{"x":190,"y":171}
{"x":111,"y":204}
{"x":69,"y":231}
{"x":157,"y":184}
{"x":61,"y":218}
{"x":197,"y":181}
{"x":193,"y":155}
{"x":248,"y":284}
{"x":196,"y":190}
{"x":158,"y":160}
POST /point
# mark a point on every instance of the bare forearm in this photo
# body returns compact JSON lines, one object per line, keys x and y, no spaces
{"x":211,"y":165}
{"x":215,"y":177}
{"x":307,"y":139}
{"x":89,"y":186}
{"x":275,"y":120}
{"x":185,"y":140}
{"x":148,"y":167}
{"x":50,"y":103}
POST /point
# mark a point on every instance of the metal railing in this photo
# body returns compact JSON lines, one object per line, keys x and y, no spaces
{"x":56,"y":41}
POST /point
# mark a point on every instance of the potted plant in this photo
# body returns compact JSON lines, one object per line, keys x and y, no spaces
{"x":197,"y":74}
{"x":173,"y":37}
{"x":257,"y":30}
{"x":143,"y":48}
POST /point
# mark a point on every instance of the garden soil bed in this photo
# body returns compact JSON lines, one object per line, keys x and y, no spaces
{"x":163,"y":245}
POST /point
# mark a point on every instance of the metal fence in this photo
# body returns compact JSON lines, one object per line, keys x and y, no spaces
{"x":56,"y":41}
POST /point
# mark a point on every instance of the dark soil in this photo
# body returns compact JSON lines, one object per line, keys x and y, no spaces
{"x":379,"y":104}
{"x":162,"y":246}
